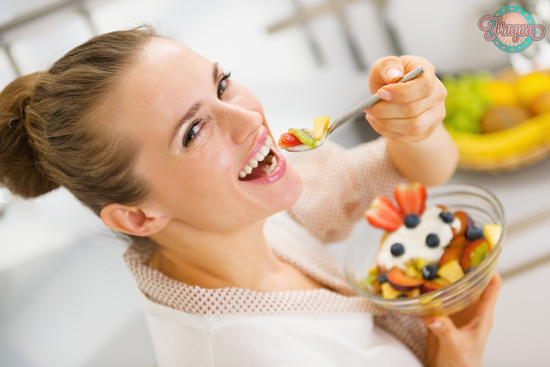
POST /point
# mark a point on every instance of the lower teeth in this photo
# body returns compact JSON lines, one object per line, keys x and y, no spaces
{"x":272,"y":167}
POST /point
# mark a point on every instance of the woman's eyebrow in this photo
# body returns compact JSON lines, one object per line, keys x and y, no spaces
{"x":193,"y":110}
{"x":215,"y":73}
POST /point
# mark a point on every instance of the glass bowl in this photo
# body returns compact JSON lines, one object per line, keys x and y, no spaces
{"x":481,"y":205}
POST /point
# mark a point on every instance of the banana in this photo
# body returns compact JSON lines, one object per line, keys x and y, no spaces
{"x":504,"y":143}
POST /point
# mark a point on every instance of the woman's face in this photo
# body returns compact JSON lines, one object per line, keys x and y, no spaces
{"x":196,"y":130}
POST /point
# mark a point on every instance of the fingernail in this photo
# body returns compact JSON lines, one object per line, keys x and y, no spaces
{"x":393,"y":73}
{"x":384,"y":94}
{"x":434,"y":324}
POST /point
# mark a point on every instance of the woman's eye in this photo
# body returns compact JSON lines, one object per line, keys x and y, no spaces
{"x":192,"y":132}
{"x":223,"y":84}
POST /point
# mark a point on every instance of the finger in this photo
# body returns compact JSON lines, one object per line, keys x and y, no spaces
{"x":410,"y":91}
{"x":482,"y":323}
{"x":405,"y":110}
{"x":443,"y":328}
{"x":412,"y":62}
{"x":489,"y":296}
{"x":384,"y":71}
{"x":427,"y":80}
{"x":400,"y":138}
{"x":412,"y":109}
{"x":413,"y":127}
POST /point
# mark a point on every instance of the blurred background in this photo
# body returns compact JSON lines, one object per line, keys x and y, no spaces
{"x":66,"y":297}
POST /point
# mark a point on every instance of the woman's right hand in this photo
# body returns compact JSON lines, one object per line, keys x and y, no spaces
{"x":459,"y":340}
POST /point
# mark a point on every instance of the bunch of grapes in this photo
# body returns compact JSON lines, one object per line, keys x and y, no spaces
{"x":466,"y":101}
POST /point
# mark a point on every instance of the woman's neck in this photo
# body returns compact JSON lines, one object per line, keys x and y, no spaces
{"x":239,"y":258}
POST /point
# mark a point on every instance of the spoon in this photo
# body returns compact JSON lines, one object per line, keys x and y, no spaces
{"x":371,"y":101}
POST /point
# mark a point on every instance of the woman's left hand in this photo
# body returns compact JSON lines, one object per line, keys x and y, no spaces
{"x":459,"y":340}
{"x":410,"y":111}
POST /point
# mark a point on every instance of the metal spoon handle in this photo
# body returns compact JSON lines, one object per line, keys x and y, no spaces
{"x":372,"y":100}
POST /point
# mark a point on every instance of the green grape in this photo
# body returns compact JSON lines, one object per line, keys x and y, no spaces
{"x":466,"y":101}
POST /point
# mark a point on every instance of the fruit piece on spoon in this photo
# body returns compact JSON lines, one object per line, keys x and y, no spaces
{"x":288,"y":140}
{"x":320,"y":127}
{"x":295,"y":137}
{"x":305,"y":136}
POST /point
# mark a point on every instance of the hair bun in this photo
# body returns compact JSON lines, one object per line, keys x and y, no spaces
{"x":20,"y":171}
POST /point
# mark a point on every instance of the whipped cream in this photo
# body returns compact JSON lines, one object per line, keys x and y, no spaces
{"x":414,"y":240}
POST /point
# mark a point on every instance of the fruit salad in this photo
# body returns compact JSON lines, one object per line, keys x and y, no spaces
{"x":424,"y":248}
{"x":308,"y":137}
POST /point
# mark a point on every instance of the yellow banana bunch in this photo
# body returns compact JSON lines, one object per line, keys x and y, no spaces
{"x":503,"y":144}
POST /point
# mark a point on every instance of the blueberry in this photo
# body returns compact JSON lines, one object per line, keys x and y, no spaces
{"x":468,"y":270}
{"x":429,"y":272}
{"x":402,"y":296}
{"x":474,"y":233}
{"x":383,"y":278}
{"x":432,"y":240}
{"x":412,"y":220}
{"x":447,"y":217}
{"x":397,"y":249}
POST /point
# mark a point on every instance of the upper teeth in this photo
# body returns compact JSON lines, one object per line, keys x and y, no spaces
{"x":258,"y":157}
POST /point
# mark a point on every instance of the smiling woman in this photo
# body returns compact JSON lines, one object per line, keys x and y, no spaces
{"x":226,"y":237}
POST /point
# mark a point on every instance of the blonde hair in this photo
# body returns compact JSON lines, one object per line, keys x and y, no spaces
{"x":55,"y":132}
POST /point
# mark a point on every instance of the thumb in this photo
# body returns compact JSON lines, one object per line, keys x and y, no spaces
{"x":391,"y":69}
{"x":384,"y":71}
{"x":443,"y":328}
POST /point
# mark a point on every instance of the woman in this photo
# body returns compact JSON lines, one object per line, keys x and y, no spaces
{"x":152,"y":137}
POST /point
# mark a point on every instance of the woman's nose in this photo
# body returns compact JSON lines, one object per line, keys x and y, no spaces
{"x":240,"y":121}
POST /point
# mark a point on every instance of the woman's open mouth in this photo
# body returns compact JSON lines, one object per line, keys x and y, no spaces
{"x":262,"y":164}
{"x":265,"y":164}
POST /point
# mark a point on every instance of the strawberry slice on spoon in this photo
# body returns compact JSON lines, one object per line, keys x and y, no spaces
{"x":288,"y":140}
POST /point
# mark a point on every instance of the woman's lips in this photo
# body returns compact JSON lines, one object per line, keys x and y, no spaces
{"x":259,"y":143}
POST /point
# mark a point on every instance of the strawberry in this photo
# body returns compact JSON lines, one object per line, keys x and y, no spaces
{"x":411,"y":198}
{"x":288,"y":140}
{"x":383,"y":214}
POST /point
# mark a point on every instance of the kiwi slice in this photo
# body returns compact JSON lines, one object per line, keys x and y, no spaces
{"x":480,"y":253}
{"x":304,"y":136}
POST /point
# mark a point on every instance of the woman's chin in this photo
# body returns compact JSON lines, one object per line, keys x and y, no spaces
{"x":289,"y":190}
{"x":273,"y":197}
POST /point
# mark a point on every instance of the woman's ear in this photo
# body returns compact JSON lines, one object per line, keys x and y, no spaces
{"x":132,"y":220}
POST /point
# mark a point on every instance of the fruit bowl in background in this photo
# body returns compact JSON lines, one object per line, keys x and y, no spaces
{"x":482,"y":206}
{"x":501,"y":122}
